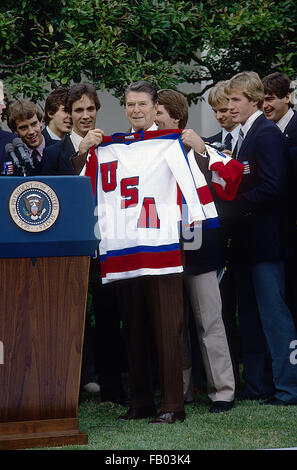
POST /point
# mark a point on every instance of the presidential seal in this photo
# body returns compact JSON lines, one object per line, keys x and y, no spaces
{"x":34,"y":206}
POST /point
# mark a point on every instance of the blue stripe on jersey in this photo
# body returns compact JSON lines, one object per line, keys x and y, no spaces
{"x":184,"y":204}
{"x":141,"y":249}
{"x":210,"y":223}
{"x":186,"y":156}
{"x":207,"y":224}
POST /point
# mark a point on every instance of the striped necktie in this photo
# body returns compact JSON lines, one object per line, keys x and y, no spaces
{"x":239,"y":142}
{"x":227,"y":141}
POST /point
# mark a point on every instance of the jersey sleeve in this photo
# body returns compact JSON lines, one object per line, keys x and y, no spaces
{"x":177,"y":161}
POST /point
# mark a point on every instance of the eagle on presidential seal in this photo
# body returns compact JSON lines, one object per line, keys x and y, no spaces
{"x":34,"y":203}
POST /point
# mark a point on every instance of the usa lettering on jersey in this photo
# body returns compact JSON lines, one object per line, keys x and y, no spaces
{"x":138,"y":180}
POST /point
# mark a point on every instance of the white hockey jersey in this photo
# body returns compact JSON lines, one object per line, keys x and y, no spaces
{"x":138,"y":176}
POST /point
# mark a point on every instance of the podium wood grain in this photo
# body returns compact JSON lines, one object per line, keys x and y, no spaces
{"x":42,"y":313}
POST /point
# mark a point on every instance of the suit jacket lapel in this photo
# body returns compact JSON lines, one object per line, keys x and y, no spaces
{"x":291,"y":125}
{"x":250,"y":134}
{"x":68,"y":145}
{"x":47,"y":138}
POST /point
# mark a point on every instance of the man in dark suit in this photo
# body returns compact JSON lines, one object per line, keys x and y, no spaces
{"x":266,"y":324}
{"x":229,"y":134}
{"x":6,"y":166}
{"x":82,"y":104}
{"x":25,"y":119}
{"x":279,"y":109}
{"x":227,"y":137}
{"x":57,"y":121}
{"x":68,"y":157}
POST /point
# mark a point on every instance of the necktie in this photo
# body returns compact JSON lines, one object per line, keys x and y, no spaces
{"x":227,"y":141}
{"x":35,"y":160}
{"x":239,"y":142}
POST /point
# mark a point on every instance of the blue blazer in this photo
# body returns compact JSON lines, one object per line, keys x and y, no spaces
{"x":55,"y":160}
{"x":259,"y":209}
{"x":212,"y":253}
{"x":290,"y":134}
{"x":48,"y":140}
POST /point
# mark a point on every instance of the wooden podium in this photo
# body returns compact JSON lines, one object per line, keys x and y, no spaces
{"x":47,"y":239}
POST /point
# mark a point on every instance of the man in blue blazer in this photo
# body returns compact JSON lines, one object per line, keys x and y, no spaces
{"x":278,"y":107}
{"x":82,"y":104}
{"x":57,"y":121}
{"x":229,"y":130}
{"x":259,"y":247}
{"x":227,"y":137}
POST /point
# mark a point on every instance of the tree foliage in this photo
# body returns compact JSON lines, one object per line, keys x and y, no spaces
{"x":113,"y":43}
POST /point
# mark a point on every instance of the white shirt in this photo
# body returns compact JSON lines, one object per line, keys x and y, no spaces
{"x":154,"y":127}
{"x":76,"y":140}
{"x":284,"y":121}
{"x":248,"y":124}
{"x":52,"y":135}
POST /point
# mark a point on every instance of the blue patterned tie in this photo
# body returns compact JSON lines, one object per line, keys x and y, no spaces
{"x":239,"y":142}
{"x":227,"y":141}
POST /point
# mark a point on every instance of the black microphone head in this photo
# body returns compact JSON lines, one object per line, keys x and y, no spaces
{"x":17,"y":141}
{"x":19,"y":144}
{"x":218,"y":146}
{"x":8,"y":147}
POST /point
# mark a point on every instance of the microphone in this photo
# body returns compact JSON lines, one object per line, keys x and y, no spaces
{"x":23,"y":152}
{"x":10,"y":151}
{"x":218,"y":146}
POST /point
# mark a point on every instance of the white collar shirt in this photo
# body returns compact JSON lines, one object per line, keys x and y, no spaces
{"x":250,"y":121}
{"x":284,"y":121}
{"x":52,"y":134}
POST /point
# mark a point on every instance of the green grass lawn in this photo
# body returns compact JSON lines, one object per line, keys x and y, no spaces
{"x":248,"y":426}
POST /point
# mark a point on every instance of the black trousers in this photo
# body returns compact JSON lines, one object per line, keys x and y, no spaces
{"x":107,"y":343}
